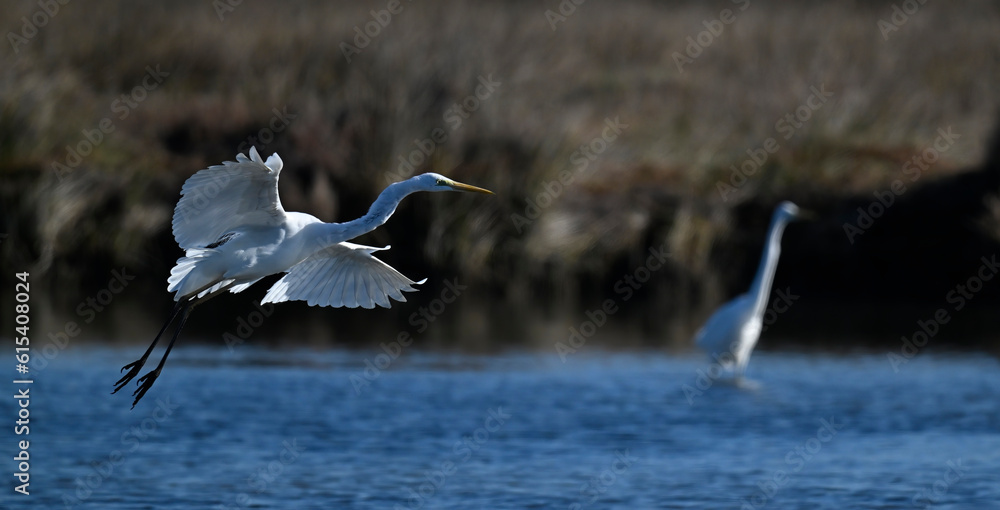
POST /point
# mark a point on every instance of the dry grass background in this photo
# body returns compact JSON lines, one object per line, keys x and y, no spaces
{"x":353,"y":120}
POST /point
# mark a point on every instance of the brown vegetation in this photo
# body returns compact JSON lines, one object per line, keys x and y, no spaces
{"x":656,"y":182}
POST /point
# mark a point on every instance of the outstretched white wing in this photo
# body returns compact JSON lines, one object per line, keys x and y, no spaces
{"x":222,"y":197}
{"x":344,"y":274}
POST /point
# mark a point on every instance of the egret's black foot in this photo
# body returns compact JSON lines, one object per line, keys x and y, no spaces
{"x":134,"y":368}
{"x":145,"y":383}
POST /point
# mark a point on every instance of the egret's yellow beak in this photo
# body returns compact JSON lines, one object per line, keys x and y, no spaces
{"x":457,"y":186}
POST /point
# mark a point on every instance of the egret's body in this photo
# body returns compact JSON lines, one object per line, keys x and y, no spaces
{"x":234,"y":231}
{"x":735,"y":327}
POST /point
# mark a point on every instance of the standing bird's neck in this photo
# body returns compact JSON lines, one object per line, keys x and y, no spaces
{"x":377,"y":214}
{"x":761,"y":287}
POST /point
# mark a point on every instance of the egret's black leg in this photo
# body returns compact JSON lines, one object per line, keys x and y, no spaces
{"x":146,"y":381}
{"x":135,"y":366}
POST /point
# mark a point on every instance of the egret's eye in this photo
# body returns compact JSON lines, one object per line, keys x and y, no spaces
{"x":439,"y":182}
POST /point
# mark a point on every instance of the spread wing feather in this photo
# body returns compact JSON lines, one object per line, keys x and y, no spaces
{"x":343,"y":275}
{"x":223,"y":197}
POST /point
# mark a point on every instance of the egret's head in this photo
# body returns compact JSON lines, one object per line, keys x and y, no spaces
{"x":438,"y":182}
{"x":791,"y":211}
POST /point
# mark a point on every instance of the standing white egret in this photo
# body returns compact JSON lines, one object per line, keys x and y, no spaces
{"x":735,"y":327}
{"x":234,"y":231}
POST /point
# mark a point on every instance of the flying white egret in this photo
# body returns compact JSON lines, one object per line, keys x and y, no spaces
{"x":735,"y":327}
{"x":234,"y":231}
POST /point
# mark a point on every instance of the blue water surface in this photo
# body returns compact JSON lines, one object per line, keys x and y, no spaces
{"x":313,"y":429}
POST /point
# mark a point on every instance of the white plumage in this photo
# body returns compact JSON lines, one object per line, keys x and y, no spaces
{"x":223,"y":197}
{"x":344,"y":274}
{"x":234,"y":231}
{"x":735,"y":327}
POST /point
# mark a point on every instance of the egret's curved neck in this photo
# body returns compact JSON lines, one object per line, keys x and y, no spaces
{"x":761,"y":287}
{"x":377,"y":215}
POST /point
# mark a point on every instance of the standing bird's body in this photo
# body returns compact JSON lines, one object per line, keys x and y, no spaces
{"x":735,"y":327}
{"x":234,"y":231}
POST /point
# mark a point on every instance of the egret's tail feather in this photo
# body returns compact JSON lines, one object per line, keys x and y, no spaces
{"x":190,"y":278}
{"x":184,"y":267}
